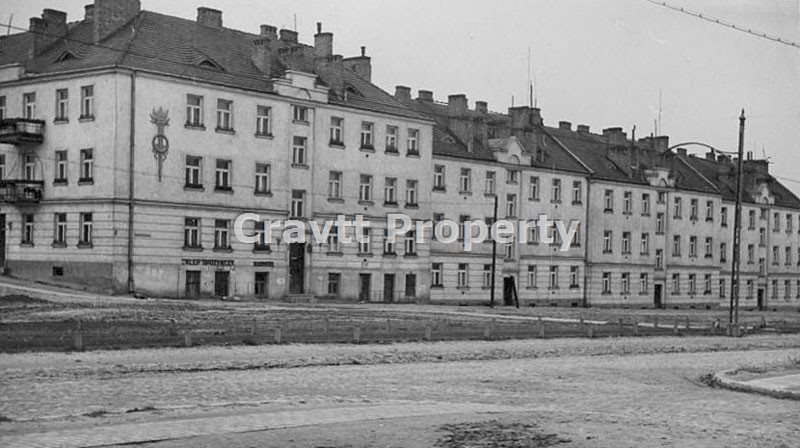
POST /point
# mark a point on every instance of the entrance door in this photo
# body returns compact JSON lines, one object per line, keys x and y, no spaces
{"x":297,"y":265}
{"x":411,"y":286}
{"x":760,"y":298}
{"x":388,"y":288}
{"x":221,"y":283}
{"x":657,"y":296}
{"x":365,"y":287}
{"x":262,"y":284}
{"x":192,"y":284}
{"x":508,"y":291}
{"x":3,"y":241}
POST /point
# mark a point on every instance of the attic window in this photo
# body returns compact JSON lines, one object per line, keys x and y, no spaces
{"x":449,"y":140}
{"x":209,"y":64}
{"x":65,"y":56}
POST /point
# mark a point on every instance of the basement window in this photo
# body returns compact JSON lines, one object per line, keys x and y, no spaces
{"x":58,"y":271}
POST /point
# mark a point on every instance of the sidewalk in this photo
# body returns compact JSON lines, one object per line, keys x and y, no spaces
{"x":781,"y":386}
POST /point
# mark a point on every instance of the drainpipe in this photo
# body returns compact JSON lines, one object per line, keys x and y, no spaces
{"x":586,"y":243}
{"x":131,"y":174}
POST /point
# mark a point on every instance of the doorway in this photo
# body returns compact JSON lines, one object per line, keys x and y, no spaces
{"x":192,"y":284}
{"x":411,"y":286}
{"x":388,"y":288}
{"x":657,"y":296}
{"x":297,"y":264}
{"x":222,"y":283}
{"x":3,"y":242}
{"x":508,"y":291}
{"x":262,"y":284}
{"x":365,"y":287}
{"x":760,"y":299}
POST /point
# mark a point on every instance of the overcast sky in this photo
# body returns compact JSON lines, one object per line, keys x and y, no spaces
{"x":599,"y":62}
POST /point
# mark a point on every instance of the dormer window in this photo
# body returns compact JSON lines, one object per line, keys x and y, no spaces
{"x":65,"y":56}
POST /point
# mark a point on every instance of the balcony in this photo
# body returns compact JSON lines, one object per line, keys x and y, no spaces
{"x":21,"y":131}
{"x":21,"y":192}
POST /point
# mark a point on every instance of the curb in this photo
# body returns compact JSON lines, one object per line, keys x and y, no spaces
{"x":723,"y":379}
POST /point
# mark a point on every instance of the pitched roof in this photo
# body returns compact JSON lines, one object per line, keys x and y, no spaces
{"x":185,"y":48}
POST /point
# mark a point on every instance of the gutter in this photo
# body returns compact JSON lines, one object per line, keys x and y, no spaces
{"x":131,"y":179}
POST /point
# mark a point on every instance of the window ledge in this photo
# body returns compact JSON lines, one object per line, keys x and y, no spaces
{"x":577,"y":203}
{"x":223,"y":190}
{"x":193,"y":248}
{"x":85,"y":245}
{"x":224,"y":250}
{"x":392,"y":204}
{"x":58,"y":245}
{"x":437,"y":286}
{"x":334,"y":253}
{"x":194,"y":127}
{"x":367,"y":149}
{"x":262,"y":250}
{"x":302,"y":122}
{"x":263,"y":194}
{"x":439,"y":190}
{"x":86,"y":182}
{"x":194,"y":188}
{"x":410,"y":256}
{"x":414,"y":155}
{"x":60,"y":183}
{"x":300,"y":166}
{"x":336,"y":200}
{"x":392,"y":152}
{"x":366,"y":202}
{"x":86,"y":119}
{"x":26,"y":244}
{"x":264,"y":136}
{"x":465,"y":193}
{"x":412,"y":206}
{"x":608,"y":210}
{"x":337,"y":145}
{"x":228,"y":131}
{"x":61,"y":121}
{"x":364,"y":255}
{"x":463,"y":288}
{"x":390,"y":255}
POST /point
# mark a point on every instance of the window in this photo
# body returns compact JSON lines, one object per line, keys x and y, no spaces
{"x":335,"y":184}
{"x":27,"y":229}
{"x":676,"y":246}
{"x":556,"y":191}
{"x":751,"y":254}
{"x":723,"y":216}
{"x":709,"y":210}
{"x":367,"y":140}
{"x":87,"y":102}
{"x":365,"y":245}
{"x":337,"y":131}
{"x":788,"y":257}
{"x":365,"y":188}
{"x":659,"y":223}
{"x":300,"y":114}
{"x":607,"y":242}
{"x":411,"y":192}
{"x":2,"y":107}
{"x":87,"y":165}
{"x":576,"y":239}
{"x":263,"y":244}
{"x":60,"y":233}
{"x":692,"y":284}
{"x":193,"y":172}
{"x":333,"y":240}
{"x":626,"y":283}
{"x":608,"y":200}
{"x":29,"y":166}
{"x":261,"y":284}
{"x":797,"y":290}
{"x":645,"y":204}
{"x":465,"y":182}
{"x":413,"y":141}
{"x":789,"y":226}
{"x":264,"y":121}
{"x":752,"y":220}
{"x":627,"y":202}
{"x":573,"y":277}
{"x":436,"y":274}
{"x":659,"y":259}
{"x":692,"y":247}
{"x":707,"y":284}
{"x":532,"y":274}
{"x":723,"y":252}
{"x":511,"y":205}
{"x":776,"y":222}
{"x":463,"y":275}
{"x":61,"y":167}
{"x":191,"y":233}
{"x":438,"y":177}
{"x":390,"y":191}
{"x":508,"y":250}
{"x":749,"y":289}
{"x":194,"y":111}
{"x":662,"y":197}
{"x":776,"y":255}
{"x":693,"y":212}
{"x":678,"y":208}
{"x":676,"y":283}
{"x":644,"y":283}
{"x":223,"y":175}
{"x":29,"y":105}
{"x":722,"y":288}
{"x":62,"y":105}
{"x":487,"y":276}
{"x":388,"y":246}
{"x":263,"y":183}
{"x":224,"y":115}
{"x":411,"y":243}
{"x":645,"y":243}
{"x":2,"y":166}
{"x":86,"y":229}
{"x":709,"y":247}
{"x":553,"y":278}
{"x":533,"y":189}
{"x":606,"y":283}
{"x":626,"y":242}
{"x":762,"y":237}
{"x":774,"y":289}
{"x":491,"y":182}
{"x":391,"y":139}
{"x":787,"y":289}
{"x":299,"y":151}
{"x":298,"y":199}
{"x":334,"y":283}
{"x":221,"y":233}
{"x":512,"y":176}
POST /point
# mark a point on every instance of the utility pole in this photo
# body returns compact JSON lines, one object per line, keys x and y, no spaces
{"x":733,"y":318}
{"x":494,"y":252}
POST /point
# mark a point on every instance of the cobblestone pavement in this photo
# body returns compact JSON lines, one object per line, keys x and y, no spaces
{"x":616,"y":400}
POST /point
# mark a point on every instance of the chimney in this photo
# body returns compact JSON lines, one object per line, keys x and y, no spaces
{"x":662,"y":143}
{"x":47,"y":30}
{"x":402,"y":92}
{"x":111,"y":15}
{"x":457,"y":104}
{"x":209,"y":17}
{"x":262,"y":55}
{"x":323,"y":42}
{"x":615,"y":136}
{"x":749,"y":155}
{"x":289,"y":36}
{"x":722,"y":158}
{"x":565,"y":125}
{"x":536,"y":116}
{"x":269,"y":31}
{"x":711,"y":156}
{"x":760,"y":167}
{"x":584,"y":128}
{"x":88,"y":13}
{"x":482,"y":106}
{"x":520,"y":116}
{"x":682,"y":152}
{"x":425,"y":95}
{"x":361,"y":65}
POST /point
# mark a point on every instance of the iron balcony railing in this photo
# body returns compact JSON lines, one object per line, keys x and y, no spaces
{"x":21,"y":191}
{"x":16,"y":131}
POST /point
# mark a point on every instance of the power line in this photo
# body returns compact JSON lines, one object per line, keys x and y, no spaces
{"x":725,"y":23}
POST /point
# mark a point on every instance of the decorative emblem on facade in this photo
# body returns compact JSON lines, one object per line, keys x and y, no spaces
{"x":160,"y":118}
